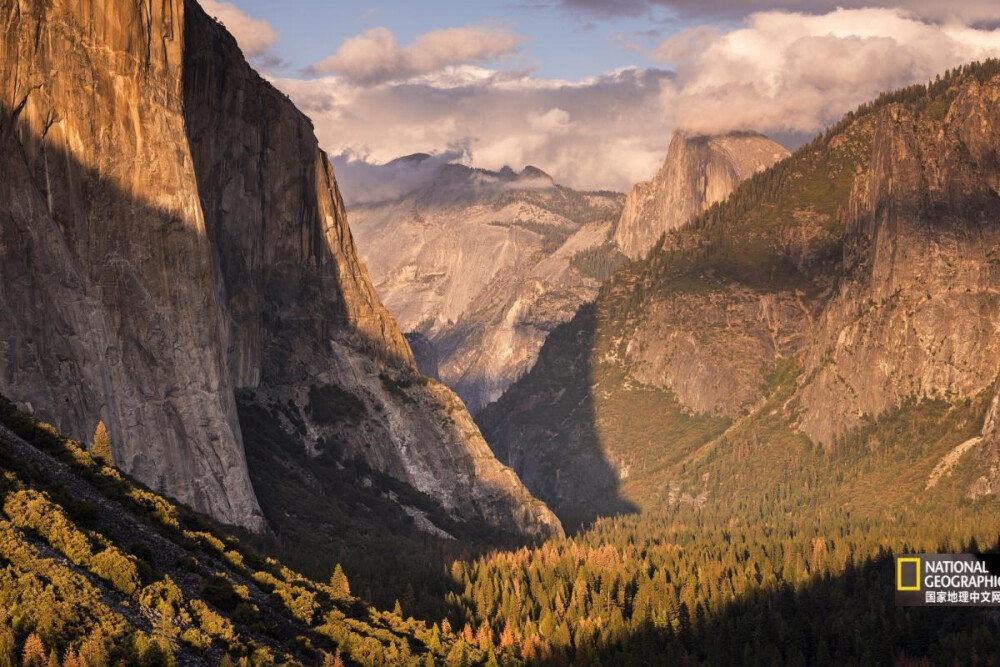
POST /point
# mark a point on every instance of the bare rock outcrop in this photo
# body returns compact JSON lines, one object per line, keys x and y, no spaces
{"x":918,"y":313}
{"x":698,"y":172}
{"x":855,"y":283}
{"x":108,"y":283}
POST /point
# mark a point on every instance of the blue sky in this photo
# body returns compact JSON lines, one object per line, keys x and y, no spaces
{"x":559,"y":43}
{"x":590,"y":91}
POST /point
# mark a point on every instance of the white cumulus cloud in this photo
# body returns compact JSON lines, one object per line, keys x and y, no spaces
{"x":789,"y":72}
{"x":962,"y":10}
{"x":374,"y":56}
{"x":605,"y":132}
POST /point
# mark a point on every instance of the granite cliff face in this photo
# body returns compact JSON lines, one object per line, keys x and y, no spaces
{"x":698,"y":172}
{"x":482,"y":265}
{"x":108,"y":278}
{"x":172,"y":234}
{"x":846,"y":290}
{"x":919,"y":310}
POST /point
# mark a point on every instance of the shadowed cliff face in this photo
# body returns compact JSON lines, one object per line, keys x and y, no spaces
{"x":291,"y":277}
{"x":545,"y":427}
{"x":172,"y":233}
{"x":108,"y":289}
{"x":303,"y":317}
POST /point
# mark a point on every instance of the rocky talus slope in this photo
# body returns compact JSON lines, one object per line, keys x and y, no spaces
{"x":173,"y":234}
{"x":482,"y":265}
{"x":840,"y":305}
{"x":699,"y":171}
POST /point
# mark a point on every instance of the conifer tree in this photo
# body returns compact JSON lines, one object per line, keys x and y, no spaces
{"x":434,"y":643}
{"x":70,"y":659}
{"x":409,"y":600}
{"x":34,"y":652}
{"x":93,"y":652}
{"x":333,"y":660}
{"x":338,"y":581}
{"x":101,"y":447}
{"x":7,"y":654}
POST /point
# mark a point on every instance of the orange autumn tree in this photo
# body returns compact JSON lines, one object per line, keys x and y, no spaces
{"x":101,"y":447}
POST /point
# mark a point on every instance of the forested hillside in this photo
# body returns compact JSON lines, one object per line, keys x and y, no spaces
{"x":738,"y":432}
{"x":97,"y":570}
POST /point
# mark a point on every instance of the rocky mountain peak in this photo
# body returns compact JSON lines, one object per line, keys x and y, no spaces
{"x":534,"y":173}
{"x":839,"y":295}
{"x":412,"y":159}
{"x":699,"y":171}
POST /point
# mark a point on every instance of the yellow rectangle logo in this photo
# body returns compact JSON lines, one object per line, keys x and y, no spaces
{"x":908,"y":574}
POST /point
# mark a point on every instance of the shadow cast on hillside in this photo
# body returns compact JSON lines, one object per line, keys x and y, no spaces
{"x":132,"y":311}
{"x":555,"y":404}
{"x":300,"y":307}
{"x":845,"y":619}
{"x":86,"y":249}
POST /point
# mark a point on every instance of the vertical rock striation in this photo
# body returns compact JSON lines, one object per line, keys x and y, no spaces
{"x":108,"y":287}
{"x":290,"y":276}
{"x":919,"y":310}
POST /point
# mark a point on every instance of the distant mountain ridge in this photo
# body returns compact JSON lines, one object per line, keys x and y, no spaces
{"x":482,"y":264}
{"x":485,"y":300}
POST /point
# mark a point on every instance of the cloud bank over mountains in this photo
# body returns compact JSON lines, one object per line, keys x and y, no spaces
{"x":788,"y":73}
{"x":362,"y":182}
{"x":572,"y":130}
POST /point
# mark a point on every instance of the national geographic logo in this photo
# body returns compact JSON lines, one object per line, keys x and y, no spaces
{"x":948,"y":580}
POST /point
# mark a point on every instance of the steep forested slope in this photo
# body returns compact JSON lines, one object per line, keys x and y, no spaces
{"x":96,"y":568}
{"x":788,"y":391}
